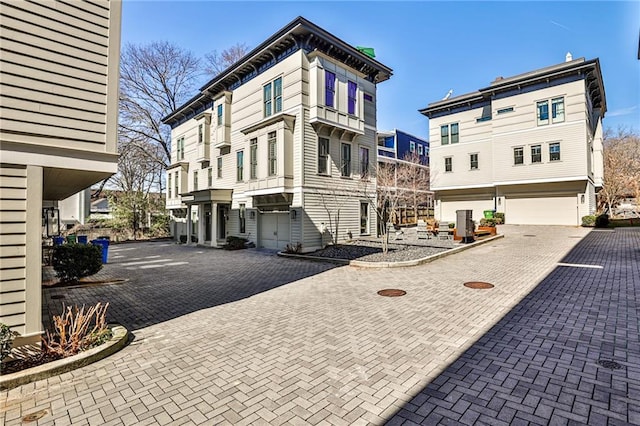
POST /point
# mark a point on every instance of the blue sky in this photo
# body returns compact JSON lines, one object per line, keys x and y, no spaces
{"x":431,"y":46}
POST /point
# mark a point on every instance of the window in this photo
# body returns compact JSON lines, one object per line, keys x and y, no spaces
{"x":444,"y":135}
{"x":536,"y":154}
{"x":169,"y":185}
{"x":448,"y":164}
{"x":329,"y":88}
{"x":454,"y":133}
{"x":351,"y":100}
{"x":364,"y":217}
{"x":219,"y":167}
{"x":420,"y":150}
{"x":367,"y":97}
{"x":482,"y":119}
{"x":412,"y":146}
{"x":554,"y":151}
{"x":220,"y":114}
{"x":543,"y":112}
{"x":201,"y":133}
{"x":175,"y":185}
{"x":180,"y":149}
{"x":505,"y":110}
{"x":473,"y":161}
{"x":272,"y":97}
{"x":345,"y":165}
{"x":364,"y":162}
{"x":518,"y":155}
{"x":209,"y":178}
{"x":449,"y":130}
{"x":557,"y":110}
{"x":242,"y":218}
{"x":323,"y":156}
{"x":240,"y":166}
{"x":253,"y":159}
{"x":273,"y":158}
{"x":195,"y":180}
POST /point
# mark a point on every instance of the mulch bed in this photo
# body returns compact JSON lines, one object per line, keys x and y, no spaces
{"x":28,"y":361}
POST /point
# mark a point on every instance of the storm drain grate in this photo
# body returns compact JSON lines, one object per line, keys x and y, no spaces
{"x":57,"y":296}
{"x":392,"y":292}
{"x":478,"y":285}
{"x":34,"y":417}
{"x":610,"y":364}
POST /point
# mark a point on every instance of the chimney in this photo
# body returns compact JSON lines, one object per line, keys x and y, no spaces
{"x":568,"y":58}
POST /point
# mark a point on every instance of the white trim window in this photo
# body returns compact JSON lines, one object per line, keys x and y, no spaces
{"x":200,"y":133}
{"x":557,"y":111}
{"x":272,"y":153}
{"x":449,"y":133}
{"x":554,"y":151}
{"x":323,"y":156}
{"x":210,"y":177}
{"x":240,"y":166}
{"x":180,"y":149}
{"x":420,"y":150}
{"x":329,"y":89}
{"x":219,"y":167}
{"x":473,"y":161}
{"x":364,"y":162}
{"x":345,"y":160}
{"x":536,"y":154}
{"x":412,"y":146}
{"x":272,"y":97}
{"x":518,"y":155}
{"x":220,"y":110}
{"x":195,"y":180}
{"x":175,"y":185}
{"x":169,"y":185}
{"x":364,"y":217}
{"x":253,"y":158}
{"x":448,"y":164}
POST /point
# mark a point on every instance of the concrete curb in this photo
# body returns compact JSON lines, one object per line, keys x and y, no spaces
{"x":403,"y":264}
{"x":117,"y":342}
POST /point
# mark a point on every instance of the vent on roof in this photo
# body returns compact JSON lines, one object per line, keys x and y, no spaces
{"x":498,"y":78}
{"x":568,"y":57}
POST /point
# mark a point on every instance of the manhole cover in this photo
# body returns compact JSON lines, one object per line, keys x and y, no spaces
{"x":611,"y":365}
{"x":529,"y":235}
{"x":34,"y":417}
{"x":392,"y":292}
{"x":478,"y":285}
{"x":58,"y":296}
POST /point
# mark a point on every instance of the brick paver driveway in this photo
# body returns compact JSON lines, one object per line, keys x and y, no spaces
{"x":247,"y":338}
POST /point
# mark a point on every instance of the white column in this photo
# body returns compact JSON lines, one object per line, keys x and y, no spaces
{"x":201,"y":223}
{"x":214,"y":224}
{"x":189,"y":224}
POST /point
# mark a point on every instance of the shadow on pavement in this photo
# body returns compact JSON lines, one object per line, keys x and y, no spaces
{"x":568,"y":352}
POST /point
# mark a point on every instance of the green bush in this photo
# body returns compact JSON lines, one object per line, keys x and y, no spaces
{"x":499,"y":218}
{"x":235,"y":243}
{"x":6,"y":340}
{"x":602,"y":221}
{"x":452,"y":225}
{"x":74,"y":261}
{"x":488,"y":222}
{"x":589,"y":220}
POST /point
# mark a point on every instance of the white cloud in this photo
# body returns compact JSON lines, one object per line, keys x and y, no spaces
{"x":622,"y":111}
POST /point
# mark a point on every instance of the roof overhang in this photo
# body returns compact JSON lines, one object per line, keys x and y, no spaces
{"x":207,"y":196}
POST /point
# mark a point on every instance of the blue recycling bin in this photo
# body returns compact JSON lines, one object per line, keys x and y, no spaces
{"x":104,"y":246}
{"x":82,"y":239}
{"x":58,"y":241}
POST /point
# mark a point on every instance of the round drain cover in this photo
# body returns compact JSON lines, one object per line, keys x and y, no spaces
{"x":392,"y":292}
{"x":34,"y":417}
{"x":611,"y":365}
{"x":478,"y":285}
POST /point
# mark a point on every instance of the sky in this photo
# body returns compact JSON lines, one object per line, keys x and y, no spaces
{"x":431,"y":46}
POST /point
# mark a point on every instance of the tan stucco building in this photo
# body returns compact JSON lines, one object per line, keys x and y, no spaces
{"x":58,"y":124}
{"x":277,"y":141}
{"x":529,"y":146}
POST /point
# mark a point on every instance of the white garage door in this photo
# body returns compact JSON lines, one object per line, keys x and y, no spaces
{"x":448,"y":209}
{"x":561,"y":210}
{"x":274,"y":230}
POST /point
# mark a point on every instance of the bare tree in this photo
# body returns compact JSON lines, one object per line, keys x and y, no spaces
{"x":621,"y":168}
{"x":413,"y":178}
{"x":216,"y":62}
{"x":386,"y":199}
{"x":155,"y":79}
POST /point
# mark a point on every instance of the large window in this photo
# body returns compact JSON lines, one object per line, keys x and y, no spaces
{"x":323,"y":156}
{"x":345,"y":157}
{"x":175,"y":185}
{"x":449,"y":133}
{"x":554,"y":151}
{"x":272,"y":97}
{"x":364,"y":217}
{"x":253,"y":159}
{"x":220,"y":107}
{"x":557,"y":111}
{"x":219,"y":167}
{"x":473,"y":161}
{"x":180,"y":149}
{"x":195,"y":180}
{"x":518,"y":155}
{"x":536,"y":154}
{"x":242,"y":218}
{"x":448,"y":164}
{"x":352,"y":89}
{"x":273,"y":153}
{"x":240,"y":166}
{"x":329,"y":88}
{"x":364,"y":162}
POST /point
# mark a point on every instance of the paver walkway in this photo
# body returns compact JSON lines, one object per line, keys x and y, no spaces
{"x":320,"y":347}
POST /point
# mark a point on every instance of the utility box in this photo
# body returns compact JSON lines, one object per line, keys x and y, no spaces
{"x":465,"y":225}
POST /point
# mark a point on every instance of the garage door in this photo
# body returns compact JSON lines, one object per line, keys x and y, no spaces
{"x":559,"y":210}
{"x":274,"y":230}
{"x":448,"y":209}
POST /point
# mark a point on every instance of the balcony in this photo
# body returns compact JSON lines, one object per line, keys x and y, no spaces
{"x":347,"y":126}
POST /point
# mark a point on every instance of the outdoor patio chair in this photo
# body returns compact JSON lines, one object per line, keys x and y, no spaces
{"x":443,"y":231}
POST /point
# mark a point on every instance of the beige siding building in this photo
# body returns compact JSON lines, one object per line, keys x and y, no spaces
{"x":58,"y":124}
{"x":278,"y":142}
{"x":529,"y":146}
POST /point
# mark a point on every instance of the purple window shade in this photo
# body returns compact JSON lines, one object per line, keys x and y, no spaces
{"x":352,"y":89}
{"x":368,"y":97}
{"x":330,"y":87}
